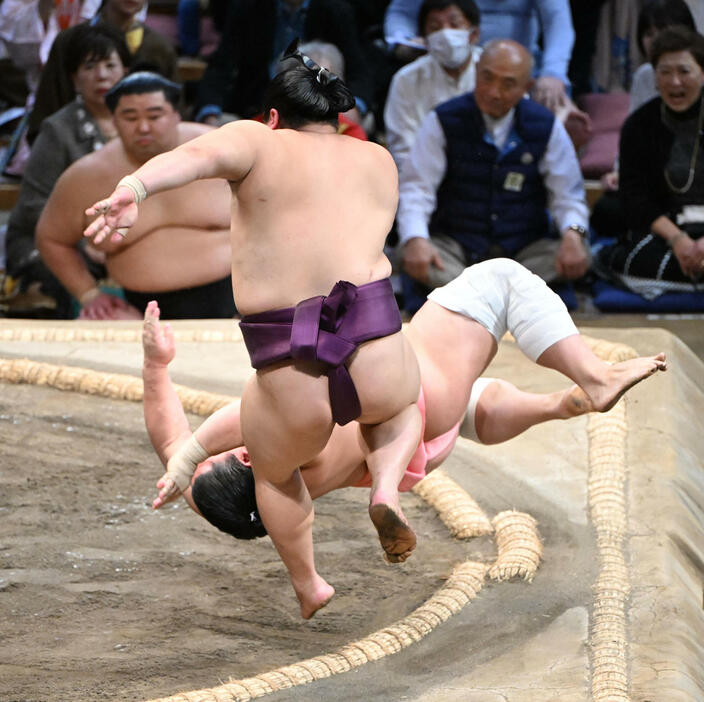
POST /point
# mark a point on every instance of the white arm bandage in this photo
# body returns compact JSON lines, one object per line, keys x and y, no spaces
{"x":135,"y":185}
{"x":184,"y":462}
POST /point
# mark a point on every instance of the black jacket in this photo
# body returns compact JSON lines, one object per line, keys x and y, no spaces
{"x":238,"y":71}
{"x":643,"y":153}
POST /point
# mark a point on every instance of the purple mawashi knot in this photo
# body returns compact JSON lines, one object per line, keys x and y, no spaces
{"x":313,"y":338}
{"x":326,"y":330}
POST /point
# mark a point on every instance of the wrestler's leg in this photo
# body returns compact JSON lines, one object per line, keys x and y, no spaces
{"x":499,"y":411}
{"x":281,"y":433}
{"x":387,"y":378}
{"x":504,"y":296}
{"x":388,"y":448}
{"x":603,"y":383}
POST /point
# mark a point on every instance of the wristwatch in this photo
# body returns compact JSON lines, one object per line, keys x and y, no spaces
{"x":582,"y":231}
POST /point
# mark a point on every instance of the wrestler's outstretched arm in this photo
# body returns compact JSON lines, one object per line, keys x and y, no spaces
{"x":229,"y":152}
{"x":164,"y":417}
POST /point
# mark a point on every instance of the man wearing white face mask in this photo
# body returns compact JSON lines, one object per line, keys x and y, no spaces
{"x":451,"y":32}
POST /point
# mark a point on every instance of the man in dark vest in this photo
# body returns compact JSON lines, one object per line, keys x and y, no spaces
{"x":491,"y":174}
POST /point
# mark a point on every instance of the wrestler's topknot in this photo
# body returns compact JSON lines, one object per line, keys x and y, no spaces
{"x":142,"y":82}
{"x":306,"y":92}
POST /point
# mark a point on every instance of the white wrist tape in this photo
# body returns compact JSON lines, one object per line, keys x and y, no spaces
{"x":184,"y":462}
{"x":136,"y":186}
{"x":89,"y":295}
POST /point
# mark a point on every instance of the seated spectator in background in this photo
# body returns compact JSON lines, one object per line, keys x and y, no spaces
{"x":524,"y":21}
{"x":481,"y":176}
{"x":147,"y":48}
{"x":178,"y":253}
{"x":607,"y":217}
{"x":654,"y":16}
{"x":28,"y":29}
{"x":256,"y":35}
{"x":662,"y":176}
{"x":95,"y":60}
{"x":451,"y":30}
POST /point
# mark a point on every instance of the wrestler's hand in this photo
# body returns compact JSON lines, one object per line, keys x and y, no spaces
{"x":572,"y":260}
{"x":106,"y":306}
{"x":179,"y":471}
{"x":116,"y":215}
{"x":417,"y":256}
{"x":168,"y":491}
{"x":157,"y":341}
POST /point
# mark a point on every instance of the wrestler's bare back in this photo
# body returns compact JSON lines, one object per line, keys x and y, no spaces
{"x":315,"y":208}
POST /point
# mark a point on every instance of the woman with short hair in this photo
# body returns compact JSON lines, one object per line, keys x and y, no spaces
{"x":662,"y":176}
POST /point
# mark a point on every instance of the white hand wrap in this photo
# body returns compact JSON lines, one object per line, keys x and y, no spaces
{"x":136,"y":186}
{"x":184,"y":462}
{"x":89,"y":295}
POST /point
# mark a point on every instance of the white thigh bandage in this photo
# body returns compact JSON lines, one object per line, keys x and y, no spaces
{"x":504,"y":296}
{"x":184,"y":462}
{"x":468,"y":428}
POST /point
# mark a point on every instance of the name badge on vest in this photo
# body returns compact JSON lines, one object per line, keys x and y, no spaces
{"x":514,"y":181}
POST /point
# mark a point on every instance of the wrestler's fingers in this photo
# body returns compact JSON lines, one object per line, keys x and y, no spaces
{"x":94,"y":225}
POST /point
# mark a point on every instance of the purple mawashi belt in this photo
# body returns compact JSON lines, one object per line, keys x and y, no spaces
{"x":328,"y":330}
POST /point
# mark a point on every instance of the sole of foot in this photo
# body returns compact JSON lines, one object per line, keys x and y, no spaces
{"x":397,"y":539}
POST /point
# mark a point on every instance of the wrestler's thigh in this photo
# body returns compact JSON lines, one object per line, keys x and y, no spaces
{"x":453,"y":351}
{"x":386,"y":374}
{"x":286,"y":420}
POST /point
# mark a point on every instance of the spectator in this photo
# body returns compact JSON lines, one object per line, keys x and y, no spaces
{"x":654,"y":16}
{"x":662,"y":176}
{"x":95,"y":60}
{"x":147,"y":47}
{"x":255,"y":36}
{"x":451,"y":30}
{"x":607,"y":217}
{"x":524,"y":21}
{"x":481,"y":173}
{"x":179,"y":253}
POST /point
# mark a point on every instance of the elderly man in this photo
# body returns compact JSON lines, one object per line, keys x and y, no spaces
{"x":451,"y":32}
{"x":179,"y":253}
{"x":481,"y":176}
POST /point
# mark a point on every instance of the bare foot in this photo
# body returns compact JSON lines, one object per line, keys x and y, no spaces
{"x":619,"y":378}
{"x":315,"y":598}
{"x":397,"y":539}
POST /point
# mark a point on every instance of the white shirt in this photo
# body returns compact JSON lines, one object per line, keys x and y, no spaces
{"x":415,"y":90}
{"x":424,"y":170}
{"x":643,"y":88}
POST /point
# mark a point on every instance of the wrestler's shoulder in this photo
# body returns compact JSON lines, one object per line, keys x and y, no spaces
{"x":191,"y":130}
{"x":380,"y":154}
